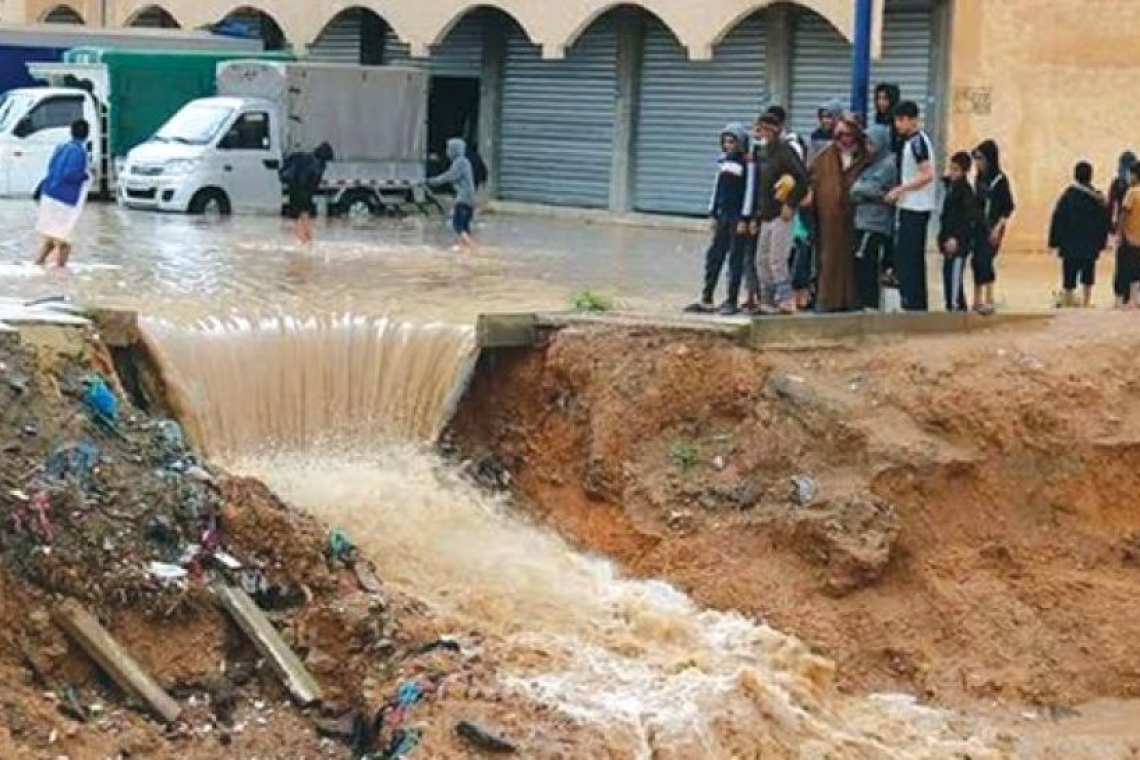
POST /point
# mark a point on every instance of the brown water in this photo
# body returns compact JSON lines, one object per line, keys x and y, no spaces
{"x":338,"y":414}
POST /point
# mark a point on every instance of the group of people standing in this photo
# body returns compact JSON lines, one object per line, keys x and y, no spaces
{"x":827,"y":223}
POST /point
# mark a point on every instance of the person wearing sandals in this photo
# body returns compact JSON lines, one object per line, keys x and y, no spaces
{"x":730,"y":209}
{"x":995,"y":200}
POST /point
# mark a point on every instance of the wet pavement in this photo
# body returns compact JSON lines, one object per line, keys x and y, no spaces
{"x":183,"y":268}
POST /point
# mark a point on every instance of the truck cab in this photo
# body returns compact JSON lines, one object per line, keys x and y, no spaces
{"x":215,"y":155}
{"x":33,"y":122}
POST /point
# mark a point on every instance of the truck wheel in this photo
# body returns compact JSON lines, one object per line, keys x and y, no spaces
{"x":210,"y":201}
{"x":358,"y":204}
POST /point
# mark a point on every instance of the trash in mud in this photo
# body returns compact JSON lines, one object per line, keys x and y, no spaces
{"x":340,"y":546}
{"x":73,"y":462}
{"x":449,"y":645}
{"x":403,"y":741}
{"x":805,"y":490}
{"x":100,"y":400}
{"x":165,"y":573}
{"x":484,"y":738}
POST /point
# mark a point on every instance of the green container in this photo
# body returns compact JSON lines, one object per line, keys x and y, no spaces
{"x":147,"y":87}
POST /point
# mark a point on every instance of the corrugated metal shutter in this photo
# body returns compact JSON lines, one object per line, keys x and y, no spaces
{"x":556,"y":140}
{"x":339,"y":41}
{"x":684,"y":105}
{"x":821,"y":59}
{"x":459,"y":55}
{"x":908,"y":50}
{"x":821,"y":69}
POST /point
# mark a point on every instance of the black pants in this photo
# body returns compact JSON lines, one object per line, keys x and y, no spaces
{"x":724,"y":239}
{"x":742,"y":269}
{"x":982,"y":262}
{"x":1074,"y":270}
{"x":1127,"y":270}
{"x":910,"y":259}
{"x":870,"y":252}
{"x":954,"y":282}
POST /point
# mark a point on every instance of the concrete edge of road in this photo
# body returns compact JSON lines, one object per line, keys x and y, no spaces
{"x":525,"y":330}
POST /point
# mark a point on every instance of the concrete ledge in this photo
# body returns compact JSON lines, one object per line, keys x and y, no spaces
{"x":525,"y":330}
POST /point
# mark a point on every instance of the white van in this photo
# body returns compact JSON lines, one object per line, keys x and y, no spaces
{"x":33,"y":122}
{"x":223,"y":154}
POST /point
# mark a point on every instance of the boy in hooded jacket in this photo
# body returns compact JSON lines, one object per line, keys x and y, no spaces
{"x":730,"y":209}
{"x":461,"y":176}
{"x":958,"y":228}
{"x":1079,"y":232}
{"x":874,"y":218}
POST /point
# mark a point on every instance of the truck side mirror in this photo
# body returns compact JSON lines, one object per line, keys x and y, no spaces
{"x":23,"y":127}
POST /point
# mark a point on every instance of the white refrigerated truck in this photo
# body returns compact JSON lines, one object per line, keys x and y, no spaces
{"x":223,"y":154}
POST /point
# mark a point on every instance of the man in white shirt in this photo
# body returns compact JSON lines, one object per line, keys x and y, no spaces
{"x":916,"y":198}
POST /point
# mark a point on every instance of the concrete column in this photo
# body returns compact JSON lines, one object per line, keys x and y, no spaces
{"x":779,"y":30}
{"x":491,"y":97}
{"x":631,"y":47}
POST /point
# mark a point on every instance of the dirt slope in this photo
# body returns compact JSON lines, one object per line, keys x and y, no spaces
{"x":974,"y":529}
{"x":117,"y":500}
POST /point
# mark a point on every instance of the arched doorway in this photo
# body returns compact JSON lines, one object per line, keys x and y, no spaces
{"x":556,"y":140}
{"x":682,"y":107}
{"x":62,"y":14}
{"x":153,"y":17}
{"x":256,"y":23}
{"x":355,"y":35}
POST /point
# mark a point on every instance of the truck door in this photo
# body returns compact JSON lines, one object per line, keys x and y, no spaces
{"x":46,"y":126}
{"x":249,"y":163}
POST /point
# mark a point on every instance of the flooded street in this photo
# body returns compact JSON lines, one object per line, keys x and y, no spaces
{"x":181,"y":268}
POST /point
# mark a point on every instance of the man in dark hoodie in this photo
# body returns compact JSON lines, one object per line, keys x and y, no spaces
{"x":302,"y":174}
{"x":1079,"y":232}
{"x":729,"y":210}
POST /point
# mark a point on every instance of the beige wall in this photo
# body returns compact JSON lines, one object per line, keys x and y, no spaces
{"x":554,"y":24}
{"x":1053,"y":81}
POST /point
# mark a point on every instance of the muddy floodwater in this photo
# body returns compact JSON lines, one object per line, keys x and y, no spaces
{"x":180,"y":267}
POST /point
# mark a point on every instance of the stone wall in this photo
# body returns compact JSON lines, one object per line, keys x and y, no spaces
{"x":1054,"y":82}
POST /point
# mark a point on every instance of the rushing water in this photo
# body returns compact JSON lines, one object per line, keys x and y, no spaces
{"x":338,"y":415}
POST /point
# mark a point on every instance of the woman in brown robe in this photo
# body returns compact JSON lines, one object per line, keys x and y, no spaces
{"x":832,"y":174}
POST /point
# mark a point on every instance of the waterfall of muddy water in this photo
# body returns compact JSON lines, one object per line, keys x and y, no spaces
{"x":287,"y":384}
{"x":664,"y":678}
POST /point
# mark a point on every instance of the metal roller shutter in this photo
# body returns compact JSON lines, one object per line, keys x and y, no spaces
{"x":908,"y":50}
{"x":684,"y":104}
{"x":821,"y":61}
{"x":821,"y":69}
{"x":339,"y":41}
{"x":556,"y":140}
{"x":459,"y":55}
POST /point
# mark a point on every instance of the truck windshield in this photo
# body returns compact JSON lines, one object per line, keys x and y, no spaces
{"x":13,"y":107}
{"x":194,"y":125}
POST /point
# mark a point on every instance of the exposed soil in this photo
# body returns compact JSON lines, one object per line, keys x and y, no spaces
{"x":974,"y":530}
{"x":142,"y":497}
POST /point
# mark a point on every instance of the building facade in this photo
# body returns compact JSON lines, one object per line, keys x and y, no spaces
{"x":617,"y":106}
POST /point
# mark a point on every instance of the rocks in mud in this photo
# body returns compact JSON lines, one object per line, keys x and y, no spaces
{"x":804,"y":490}
{"x":484,"y":738}
{"x":849,"y":540}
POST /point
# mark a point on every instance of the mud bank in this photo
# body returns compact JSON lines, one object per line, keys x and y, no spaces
{"x":953,"y":516}
{"x":124,"y":493}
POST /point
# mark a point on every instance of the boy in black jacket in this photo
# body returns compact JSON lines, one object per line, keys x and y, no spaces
{"x":730,"y":209}
{"x":958,"y":227}
{"x":1079,"y":232}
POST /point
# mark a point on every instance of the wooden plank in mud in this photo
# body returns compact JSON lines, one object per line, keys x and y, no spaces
{"x":268,"y":641}
{"x":115,"y":661}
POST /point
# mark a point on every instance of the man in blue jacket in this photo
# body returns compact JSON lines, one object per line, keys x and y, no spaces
{"x":62,"y":195}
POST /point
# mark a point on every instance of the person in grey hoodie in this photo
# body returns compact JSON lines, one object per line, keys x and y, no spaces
{"x":874,"y":218}
{"x":461,"y":176}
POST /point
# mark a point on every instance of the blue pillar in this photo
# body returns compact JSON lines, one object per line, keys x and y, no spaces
{"x":861,"y":63}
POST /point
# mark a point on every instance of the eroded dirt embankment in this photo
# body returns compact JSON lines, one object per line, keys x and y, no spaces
{"x":975,"y":526}
{"x":119,"y":495}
